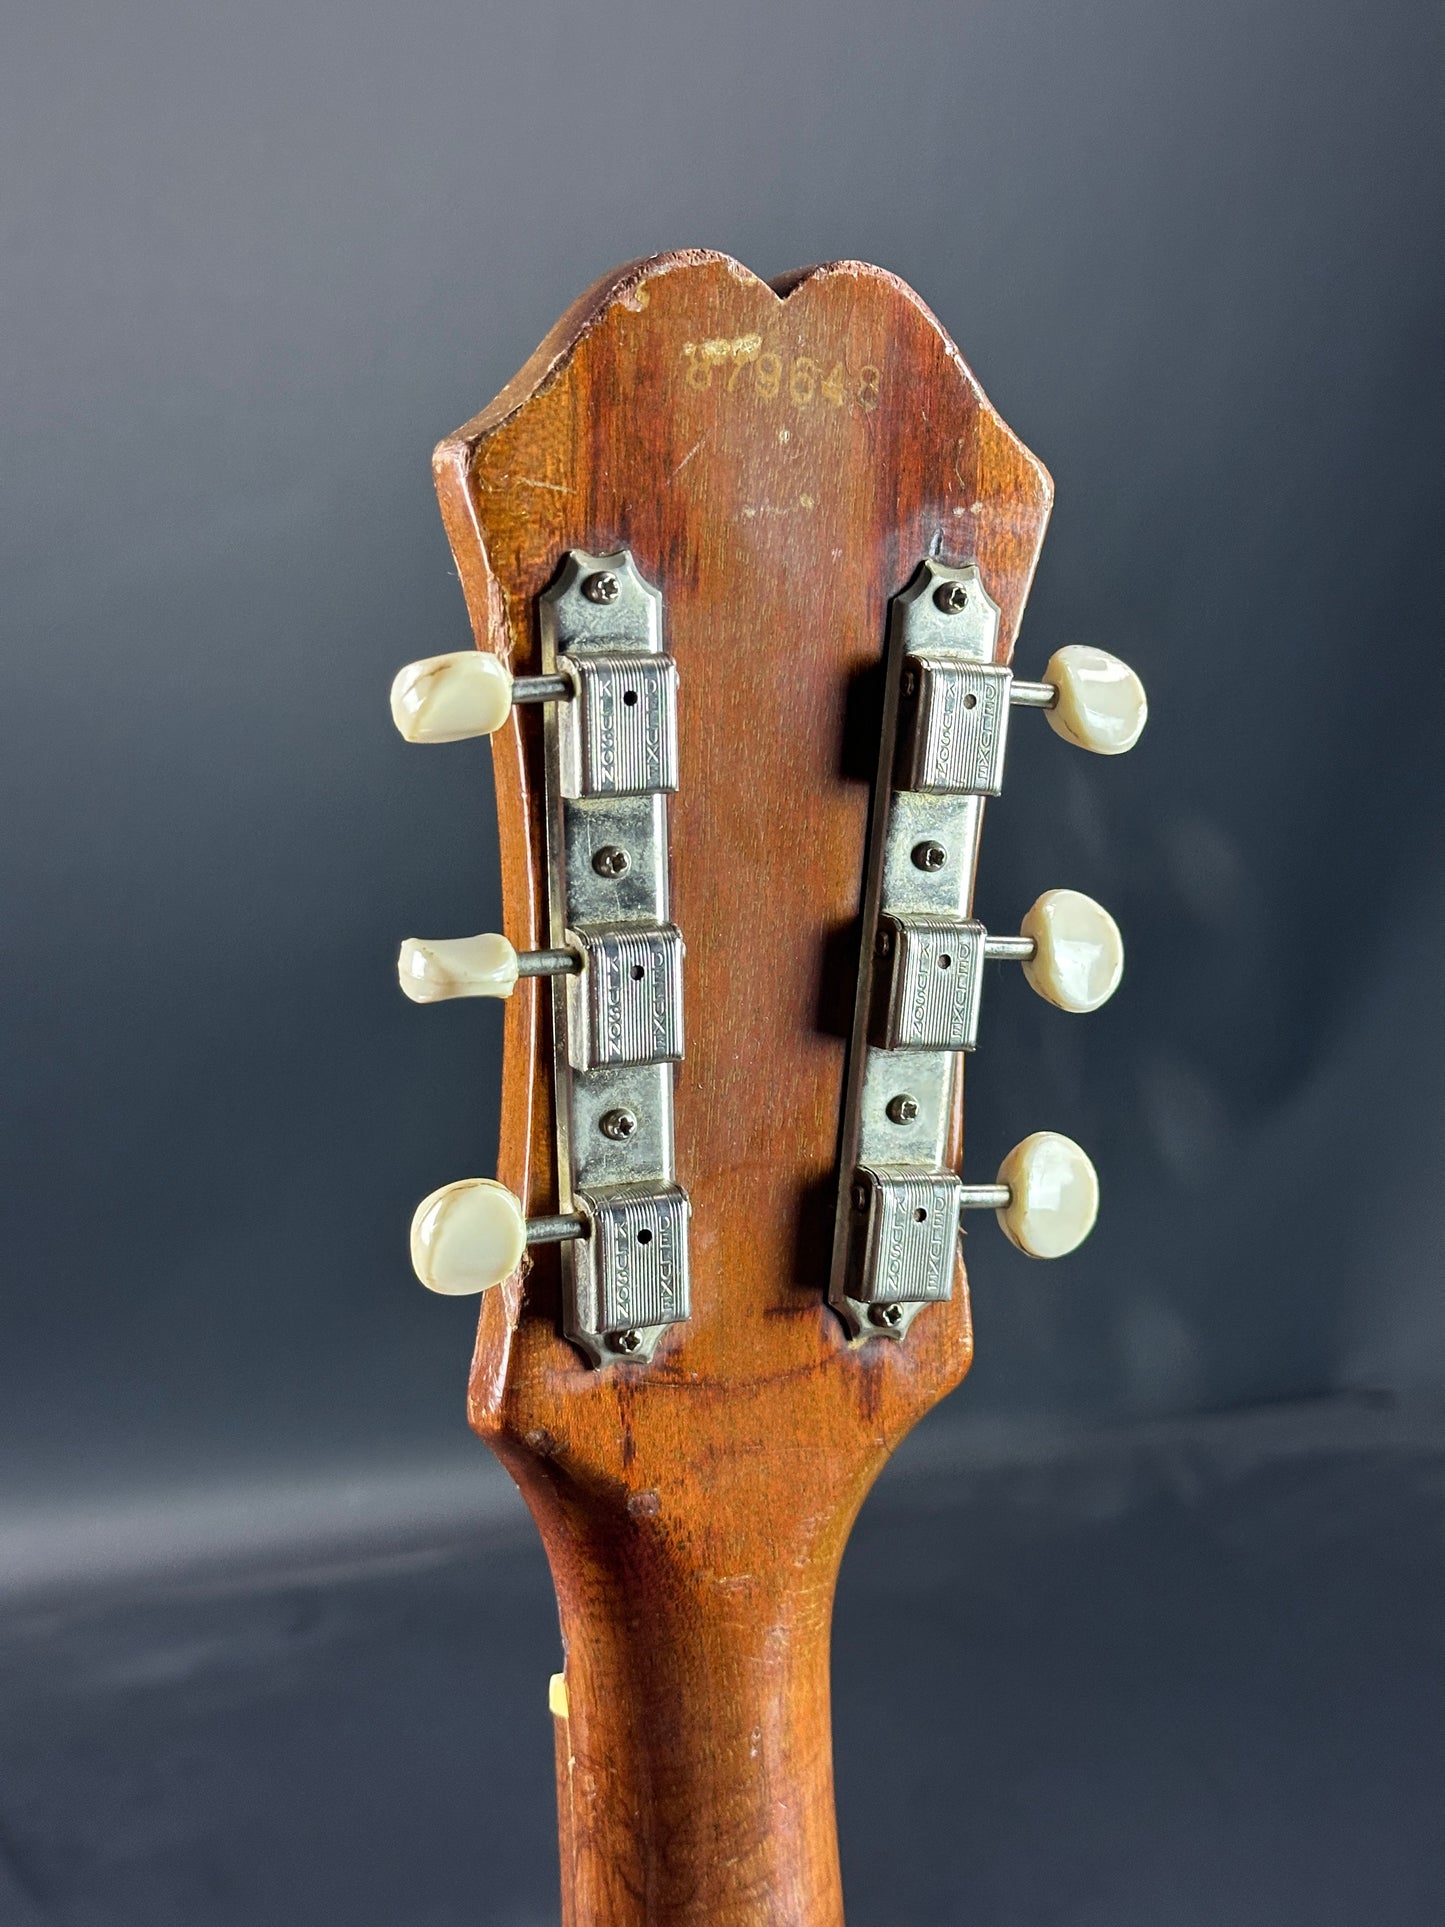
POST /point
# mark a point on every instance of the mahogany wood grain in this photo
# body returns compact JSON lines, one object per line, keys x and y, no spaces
{"x":778,"y":459}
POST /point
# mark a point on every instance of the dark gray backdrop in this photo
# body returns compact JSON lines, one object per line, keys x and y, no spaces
{"x":260,"y":258}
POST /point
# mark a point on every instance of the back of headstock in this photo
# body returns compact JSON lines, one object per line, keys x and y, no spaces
{"x":688,"y":529}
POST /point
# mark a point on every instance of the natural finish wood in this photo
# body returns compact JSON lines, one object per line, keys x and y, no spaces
{"x":777,"y":459}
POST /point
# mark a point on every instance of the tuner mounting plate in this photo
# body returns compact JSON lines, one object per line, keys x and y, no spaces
{"x":945,"y":715}
{"x":611,"y":759}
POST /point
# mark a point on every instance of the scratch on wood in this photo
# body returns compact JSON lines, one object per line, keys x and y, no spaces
{"x":526,"y":481}
{"x":751,"y":510}
{"x":689,"y":455}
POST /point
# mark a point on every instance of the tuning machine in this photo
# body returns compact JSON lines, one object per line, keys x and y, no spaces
{"x":464,"y":694}
{"x":955,"y":700}
{"x":624,"y":1006}
{"x":628,"y":1243}
{"x":616,"y":691}
{"x":947,"y":703}
{"x":929,"y":973}
{"x":434,"y":970}
{"x":905,"y":1223}
{"x":610,"y":754}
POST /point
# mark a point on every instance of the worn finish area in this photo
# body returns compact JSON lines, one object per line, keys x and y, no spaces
{"x":776,"y":459}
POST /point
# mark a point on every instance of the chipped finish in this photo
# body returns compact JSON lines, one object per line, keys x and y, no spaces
{"x":778,"y":484}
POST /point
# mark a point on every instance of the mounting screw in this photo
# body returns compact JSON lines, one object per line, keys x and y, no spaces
{"x":889,"y":1315}
{"x":618,"y":1125}
{"x":929,"y":855}
{"x":860,"y":1197}
{"x":626,"y":1341}
{"x":951,"y":597}
{"x":884,"y":943}
{"x":602,"y":587}
{"x":609,"y":861}
{"x":902,"y":1109}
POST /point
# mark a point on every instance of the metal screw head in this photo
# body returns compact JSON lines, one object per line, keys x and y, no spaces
{"x":602,"y":587}
{"x":618,"y":1125}
{"x":902,"y":1109}
{"x":884,"y":943}
{"x":626,"y":1341}
{"x":951,"y":597}
{"x":609,"y":861}
{"x":889,"y":1315}
{"x":929,"y":855}
{"x":860,"y":1197}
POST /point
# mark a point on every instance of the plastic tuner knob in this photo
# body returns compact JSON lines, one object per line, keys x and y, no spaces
{"x":470,"y":1235}
{"x":1046,"y":1196}
{"x":1078,"y":955}
{"x":430,"y":970}
{"x":445,"y":699}
{"x":1090,"y":698}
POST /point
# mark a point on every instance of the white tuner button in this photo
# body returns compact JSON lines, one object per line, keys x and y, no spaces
{"x":1100,"y":703}
{"x":1053,"y":1195}
{"x":1078,"y":954}
{"x":467,"y":1236}
{"x":432,"y":969}
{"x":444,"y":699}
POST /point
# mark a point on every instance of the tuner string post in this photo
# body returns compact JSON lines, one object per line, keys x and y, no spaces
{"x":1010,"y":949}
{"x":542,"y":689}
{"x":1034,"y":695}
{"x":984,"y":1197}
{"x":559,"y":1229}
{"x":548,"y":963}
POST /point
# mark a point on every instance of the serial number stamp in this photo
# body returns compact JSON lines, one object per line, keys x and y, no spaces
{"x":742,"y":366}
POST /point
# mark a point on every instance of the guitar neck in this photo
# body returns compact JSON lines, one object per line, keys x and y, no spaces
{"x":693,"y":1743}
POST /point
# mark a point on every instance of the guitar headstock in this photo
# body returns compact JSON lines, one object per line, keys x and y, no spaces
{"x":746,"y":565}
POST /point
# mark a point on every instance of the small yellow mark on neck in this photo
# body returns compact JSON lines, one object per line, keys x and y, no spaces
{"x":726,"y":348}
{"x":557,"y":1696}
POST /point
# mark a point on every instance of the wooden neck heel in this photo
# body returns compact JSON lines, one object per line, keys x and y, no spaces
{"x":694,"y":1753}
